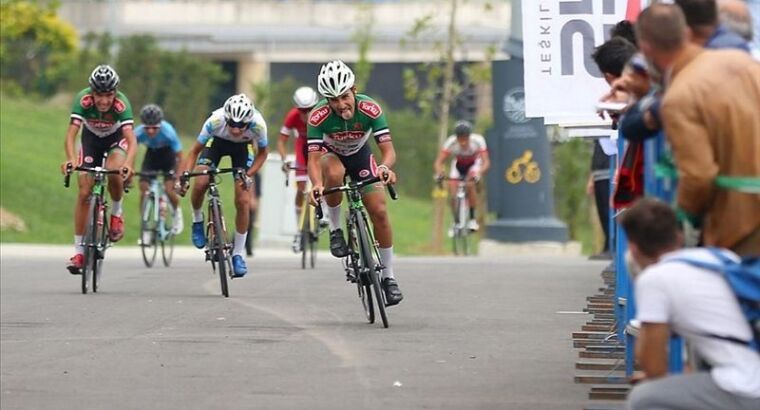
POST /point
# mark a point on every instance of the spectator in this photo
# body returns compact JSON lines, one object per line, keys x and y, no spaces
{"x":670,"y":298}
{"x":711,"y":133}
{"x":610,"y":57}
{"x":735,"y":16}
{"x":702,"y":19}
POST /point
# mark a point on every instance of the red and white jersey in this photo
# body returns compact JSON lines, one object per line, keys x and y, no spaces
{"x":294,"y":126}
{"x":467,"y":154}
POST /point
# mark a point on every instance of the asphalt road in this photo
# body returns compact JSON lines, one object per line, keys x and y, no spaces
{"x":472,"y":333}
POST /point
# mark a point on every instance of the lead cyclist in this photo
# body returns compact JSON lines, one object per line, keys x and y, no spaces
{"x":338,"y":129}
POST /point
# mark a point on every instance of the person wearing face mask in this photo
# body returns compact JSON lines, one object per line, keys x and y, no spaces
{"x":714,"y":136}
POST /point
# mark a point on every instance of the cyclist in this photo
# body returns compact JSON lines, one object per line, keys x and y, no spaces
{"x":164,"y":153}
{"x":229,"y":131}
{"x":470,"y":161}
{"x":339,"y":127}
{"x":106,"y":115}
{"x":294,"y":124}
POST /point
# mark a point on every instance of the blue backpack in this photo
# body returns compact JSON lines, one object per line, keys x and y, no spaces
{"x":744,"y":280}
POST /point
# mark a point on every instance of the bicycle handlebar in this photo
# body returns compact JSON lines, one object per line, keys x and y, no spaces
{"x":354,"y":186}
{"x":291,"y":168}
{"x":239,"y":174}
{"x":91,"y":170}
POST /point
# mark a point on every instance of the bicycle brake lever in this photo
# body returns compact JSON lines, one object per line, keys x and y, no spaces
{"x":392,"y":192}
{"x":68,"y":175}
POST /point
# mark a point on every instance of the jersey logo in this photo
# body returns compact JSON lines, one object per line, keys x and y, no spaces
{"x":371,"y":109}
{"x":319,"y":116}
{"x":119,"y":106}
{"x":86,"y":101}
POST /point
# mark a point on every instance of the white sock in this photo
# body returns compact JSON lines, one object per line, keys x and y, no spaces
{"x":178,"y":212}
{"x":386,"y":255}
{"x":333,"y":215}
{"x":116,"y":208}
{"x":197,"y":215}
{"x":239,"y":243}
{"x":298,"y":217}
{"x":78,"y":248}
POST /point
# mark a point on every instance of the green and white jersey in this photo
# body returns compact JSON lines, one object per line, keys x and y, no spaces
{"x":99,"y":123}
{"x":326,"y":128}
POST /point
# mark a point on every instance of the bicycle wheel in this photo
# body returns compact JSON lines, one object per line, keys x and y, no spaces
{"x":313,"y":238}
{"x":371,"y":265}
{"x":363,"y":285}
{"x":220,"y":249}
{"x":100,"y":248}
{"x":249,"y":239}
{"x":166,"y":231}
{"x":90,"y":239}
{"x":148,"y":230}
{"x":305,"y":238}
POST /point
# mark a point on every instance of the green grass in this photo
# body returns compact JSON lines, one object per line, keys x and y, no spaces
{"x":31,"y":185}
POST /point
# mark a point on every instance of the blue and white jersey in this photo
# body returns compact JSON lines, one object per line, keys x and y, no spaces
{"x":166,"y":137}
{"x":216,"y":127}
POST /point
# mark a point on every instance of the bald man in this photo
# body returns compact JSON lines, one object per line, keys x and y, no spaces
{"x":736,"y":17}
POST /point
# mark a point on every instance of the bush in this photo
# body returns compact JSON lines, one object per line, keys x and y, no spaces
{"x":572,"y":161}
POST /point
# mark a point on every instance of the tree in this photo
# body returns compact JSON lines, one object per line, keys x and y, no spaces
{"x":33,"y":40}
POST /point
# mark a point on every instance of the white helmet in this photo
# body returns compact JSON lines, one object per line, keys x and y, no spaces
{"x":305,"y":97}
{"x":335,"y":78}
{"x":238,"y":108}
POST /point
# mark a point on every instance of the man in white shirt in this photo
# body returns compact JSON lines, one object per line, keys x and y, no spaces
{"x":676,"y":297}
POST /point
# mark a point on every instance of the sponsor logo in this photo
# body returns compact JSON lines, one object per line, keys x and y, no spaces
{"x":86,"y":101}
{"x":100,"y":124}
{"x":88,"y":159}
{"x":119,"y":106}
{"x":384,"y":138}
{"x":123,"y":144}
{"x":370,"y":108}
{"x":347,"y":135}
{"x":357,"y":126}
{"x":314,"y":147}
{"x":364,"y":173}
{"x":318,"y":116}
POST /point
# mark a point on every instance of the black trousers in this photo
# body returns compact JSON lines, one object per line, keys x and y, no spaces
{"x":602,"y":197}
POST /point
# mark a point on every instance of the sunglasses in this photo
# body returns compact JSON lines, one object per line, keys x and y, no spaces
{"x":152,"y":127}
{"x":236,"y":124}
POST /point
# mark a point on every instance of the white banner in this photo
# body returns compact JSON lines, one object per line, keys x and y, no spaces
{"x":561,"y":79}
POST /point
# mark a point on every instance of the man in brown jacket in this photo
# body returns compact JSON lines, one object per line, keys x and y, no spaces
{"x":711,"y":117}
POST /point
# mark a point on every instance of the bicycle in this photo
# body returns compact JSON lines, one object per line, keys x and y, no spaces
{"x":308,"y":226}
{"x":96,"y":239}
{"x":218,"y":247}
{"x":459,"y":230}
{"x":157,"y":222}
{"x":363,"y":265}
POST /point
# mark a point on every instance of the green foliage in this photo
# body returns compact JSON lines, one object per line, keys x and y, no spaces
{"x":274,"y":100}
{"x":415,"y":140}
{"x":33,"y":41}
{"x":363,"y":39}
{"x":571,"y":170}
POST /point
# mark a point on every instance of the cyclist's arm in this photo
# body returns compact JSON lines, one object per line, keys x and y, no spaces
{"x":281,"y":148}
{"x":438,"y":164}
{"x":70,"y":142}
{"x":192,"y":156}
{"x":258,"y":162}
{"x":128,"y":132}
{"x":315,"y":170}
{"x":388,"y":154}
{"x":486,"y":162}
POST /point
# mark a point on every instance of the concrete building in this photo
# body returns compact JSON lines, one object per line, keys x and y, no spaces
{"x":267,"y":39}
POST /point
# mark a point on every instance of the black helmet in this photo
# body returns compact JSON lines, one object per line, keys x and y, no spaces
{"x":104,"y":79}
{"x":463,"y":128}
{"x":151,"y":114}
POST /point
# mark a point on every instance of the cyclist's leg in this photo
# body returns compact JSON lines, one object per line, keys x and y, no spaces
{"x":242,"y":157}
{"x":472,"y":194}
{"x":87,"y":152}
{"x":333,"y":172}
{"x":209,"y":157}
{"x":453,"y":175}
{"x":165,"y":160}
{"x":117,"y":155}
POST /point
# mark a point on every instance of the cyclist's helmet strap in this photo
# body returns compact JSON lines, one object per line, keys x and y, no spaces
{"x":238,"y":108}
{"x":335,"y":78}
{"x":463,"y":128}
{"x":151,"y":114}
{"x":104,"y":79}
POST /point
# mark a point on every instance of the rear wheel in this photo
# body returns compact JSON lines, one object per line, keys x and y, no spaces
{"x":220,"y":251}
{"x":305,"y":238}
{"x":363,"y":285}
{"x":167,"y":232}
{"x":370,"y":264}
{"x":313,"y":237}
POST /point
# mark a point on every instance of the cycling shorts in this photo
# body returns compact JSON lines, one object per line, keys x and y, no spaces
{"x":460,"y":170}
{"x":240,"y":153}
{"x":359,"y":166}
{"x":162,"y":159}
{"x":93,"y":147}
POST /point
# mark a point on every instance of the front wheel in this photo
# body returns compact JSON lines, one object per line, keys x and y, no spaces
{"x":371,"y":266}
{"x":90,"y":244}
{"x":100,"y":249}
{"x":219,"y":249}
{"x":148,"y":231}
